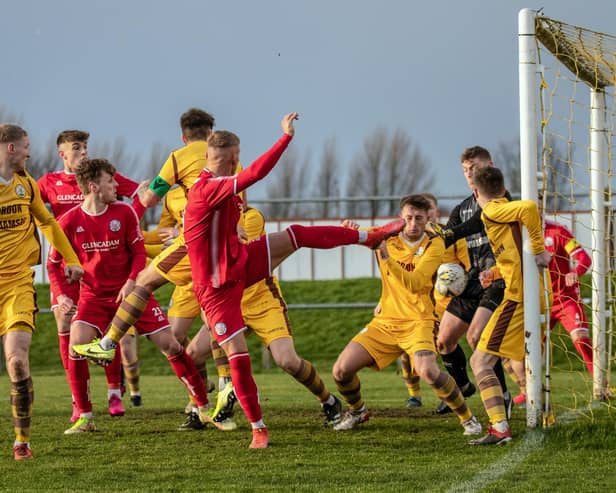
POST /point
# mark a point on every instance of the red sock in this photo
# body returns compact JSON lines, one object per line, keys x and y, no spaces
{"x":186,"y":371}
{"x":322,"y":237}
{"x":63,"y":341}
{"x":245,"y":386}
{"x":113,"y":371}
{"x":584,"y":347}
{"x":79,"y":380}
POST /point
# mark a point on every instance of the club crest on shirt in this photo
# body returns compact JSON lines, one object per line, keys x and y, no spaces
{"x":20,"y":191}
{"x":115,"y":225}
{"x":549,"y":241}
{"x":220,"y":328}
{"x":419,"y":251}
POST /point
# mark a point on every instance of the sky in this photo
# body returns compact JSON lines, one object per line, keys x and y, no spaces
{"x":443,"y":71}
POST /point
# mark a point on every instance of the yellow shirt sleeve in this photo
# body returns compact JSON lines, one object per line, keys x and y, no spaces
{"x":253,"y":223}
{"x":458,"y":254}
{"x":50,"y":228}
{"x":524,"y":211}
{"x":420,"y":278}
{"x":167,"y":220}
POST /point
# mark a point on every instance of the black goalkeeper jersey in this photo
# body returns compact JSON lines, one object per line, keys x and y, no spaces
{"x":479,"y":250}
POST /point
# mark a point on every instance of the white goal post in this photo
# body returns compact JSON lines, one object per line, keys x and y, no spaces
{"x":590,"y":58}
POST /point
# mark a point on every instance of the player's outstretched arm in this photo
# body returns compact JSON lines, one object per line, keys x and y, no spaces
{"x":266,"y":162}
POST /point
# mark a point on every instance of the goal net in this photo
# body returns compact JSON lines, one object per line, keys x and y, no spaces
{"x":567,"y":108}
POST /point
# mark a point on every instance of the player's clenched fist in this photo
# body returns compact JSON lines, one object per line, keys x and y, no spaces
{"x":287,"y":123}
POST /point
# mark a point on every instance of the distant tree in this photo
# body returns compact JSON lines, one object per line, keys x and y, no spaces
{"x":116,"y":152}
{"x":7,"y":116}
{"x":327,"y":184}
{"x":158,"y":155}
{"x":506,"y":157}
{"x":288,"y":180}
{"x":387,"y":166}
{"x":559,"y":183}
{"x":43,"y":159}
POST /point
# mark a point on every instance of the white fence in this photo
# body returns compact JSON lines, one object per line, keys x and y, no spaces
{"x":352,"y":261}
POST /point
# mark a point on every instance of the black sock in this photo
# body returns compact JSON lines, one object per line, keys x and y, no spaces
{"x":455,"y":364}
{"x":500,"y":374}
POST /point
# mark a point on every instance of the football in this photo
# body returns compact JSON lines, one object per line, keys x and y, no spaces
{"x":450,"y":279}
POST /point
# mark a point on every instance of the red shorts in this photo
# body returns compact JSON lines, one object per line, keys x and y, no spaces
{"x":222,"y":305}
{"x":72,"y":292}
{"x":98,"y":312}
{"x":570,"y":313}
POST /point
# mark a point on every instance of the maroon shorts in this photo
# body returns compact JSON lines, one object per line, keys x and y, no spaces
{"x":98,"y":312}
{"x":222,"y":305}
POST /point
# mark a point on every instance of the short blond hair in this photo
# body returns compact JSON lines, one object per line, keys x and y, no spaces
{"x":11,"y":133}
{"x":223,"y":139}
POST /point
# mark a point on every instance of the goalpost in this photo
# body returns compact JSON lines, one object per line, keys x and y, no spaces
{"x":567,"y":76}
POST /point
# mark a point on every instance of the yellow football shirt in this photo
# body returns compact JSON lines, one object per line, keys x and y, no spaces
{"x":503,"y":221}
{"x":170,"y":217}
{"x":182,"y":167}
{"x":20,"y":206}
{"x":407,"y":279}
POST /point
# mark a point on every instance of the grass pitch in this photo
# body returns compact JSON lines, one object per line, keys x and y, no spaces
{"x":396,"y":450}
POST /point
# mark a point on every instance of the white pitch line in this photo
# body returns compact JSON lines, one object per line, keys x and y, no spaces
{"x":531,"y":441}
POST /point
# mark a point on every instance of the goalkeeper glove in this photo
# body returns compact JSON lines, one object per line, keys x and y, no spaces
{"x":442,"y":231}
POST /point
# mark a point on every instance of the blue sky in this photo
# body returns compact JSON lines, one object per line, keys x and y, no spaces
{"x":444,"y":71}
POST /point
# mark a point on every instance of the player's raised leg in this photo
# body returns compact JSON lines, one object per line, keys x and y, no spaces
{"x":129,"y":311}
{"x":284,"y":243}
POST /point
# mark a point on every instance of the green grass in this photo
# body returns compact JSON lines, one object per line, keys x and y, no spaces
{"x":397,"y":450}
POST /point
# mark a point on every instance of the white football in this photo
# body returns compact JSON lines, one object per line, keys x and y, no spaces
{"x":450,"y":279}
